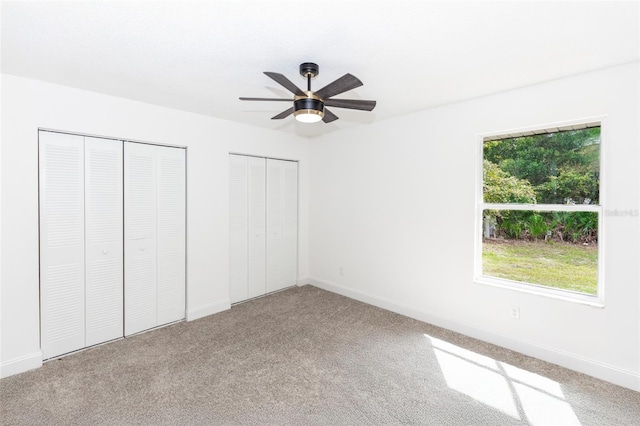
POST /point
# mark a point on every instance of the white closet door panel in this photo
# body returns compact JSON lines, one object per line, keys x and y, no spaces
{"x":103,"y":240}
{"x":290,"y":223}
{"x":62,"y":292}
{"x":238,"y":231}
{"x":256,"y":262}
{"x":61,"y":179}
{"x":275,"y":214}
{"x":140,"y":295}
{"x":282,"y":224}
{"x":171,"y":234}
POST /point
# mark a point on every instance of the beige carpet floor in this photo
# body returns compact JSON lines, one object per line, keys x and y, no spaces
{"x":305,"y":356}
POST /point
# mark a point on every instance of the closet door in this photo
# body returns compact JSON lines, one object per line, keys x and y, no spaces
{"x":290,"y":223}
{"x":103,"y":240}
{"x":238,"y":230}
{"x":140,"y":212}
{"x":62,"y":287}
{"x":171,"y":234}
{"x":256,"y":241}
{"x":282,"y":224}
{"x":247,"y":236}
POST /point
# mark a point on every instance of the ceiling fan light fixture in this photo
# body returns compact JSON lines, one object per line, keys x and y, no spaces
{"x":308,"y":115}
{"x":308,"y":106}
{"x":308,"y":110}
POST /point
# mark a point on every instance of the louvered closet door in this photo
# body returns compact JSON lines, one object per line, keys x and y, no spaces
{"x":256,"y":241}
{"x":282,"y":224}
{"x":247,"y":236}
{"x":62,"y":287}
{"x":103,"y":239}
{"x":290,"y":223}
{"x":238,"y":230}
{"x":140,"y":213}
{"x":171,"y":234}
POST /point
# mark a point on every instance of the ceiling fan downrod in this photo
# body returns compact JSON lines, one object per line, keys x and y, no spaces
{"x":308,"y":108}
{"x":309,"y":70}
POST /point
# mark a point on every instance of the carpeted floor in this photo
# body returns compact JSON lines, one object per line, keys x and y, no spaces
{"x":305,"y":356}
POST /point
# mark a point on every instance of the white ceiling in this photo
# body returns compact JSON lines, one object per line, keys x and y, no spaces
{"x":411,"y":55}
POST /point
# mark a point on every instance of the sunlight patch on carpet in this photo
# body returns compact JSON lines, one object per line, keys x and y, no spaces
{"x":518,"y":393}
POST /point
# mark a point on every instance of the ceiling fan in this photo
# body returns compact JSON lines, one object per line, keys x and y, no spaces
{"x":309,"y":106}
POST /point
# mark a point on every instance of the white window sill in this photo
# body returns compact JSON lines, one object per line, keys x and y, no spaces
{"x":566,"y":295}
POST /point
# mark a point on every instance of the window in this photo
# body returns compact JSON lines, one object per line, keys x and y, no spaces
{"x":539,"y":226}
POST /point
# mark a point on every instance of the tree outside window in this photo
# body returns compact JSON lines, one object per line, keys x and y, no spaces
{"x":540,"y":206}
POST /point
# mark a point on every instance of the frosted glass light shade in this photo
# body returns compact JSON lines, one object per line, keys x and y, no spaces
{"x":308,"y":116}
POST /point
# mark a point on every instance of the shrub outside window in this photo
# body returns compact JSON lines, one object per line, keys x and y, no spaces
{"x":539,"y":217}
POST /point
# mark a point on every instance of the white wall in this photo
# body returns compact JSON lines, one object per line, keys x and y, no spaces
{"x":393,"y":203}
{"x":30,"y":104}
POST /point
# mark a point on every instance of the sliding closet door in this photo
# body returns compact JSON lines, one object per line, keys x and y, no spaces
{"x":282,"y":224}
{"x":62,"y":287}
{"x":140,"y":242}
{"x":238,"y":231}
{"x":256,"y":241}
{"x":171,"y":234}
{"x":103,"y":240}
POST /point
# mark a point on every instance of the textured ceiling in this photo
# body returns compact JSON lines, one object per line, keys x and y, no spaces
{"x":411,"y":55}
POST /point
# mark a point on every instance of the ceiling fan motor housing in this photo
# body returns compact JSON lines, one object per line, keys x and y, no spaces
{"x":309,"y":104}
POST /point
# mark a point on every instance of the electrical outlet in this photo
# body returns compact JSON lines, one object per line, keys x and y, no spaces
{"x":515,"y":312}
{"x":341,"y":270}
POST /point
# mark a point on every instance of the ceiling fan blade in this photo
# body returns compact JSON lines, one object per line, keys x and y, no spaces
{"x":285,"y":82}
{"x":344,"y":83}
{"x":283,"y":114}
{"x":351,"y":104}
{"x":329,"y":116}
{"x":265,"y":99}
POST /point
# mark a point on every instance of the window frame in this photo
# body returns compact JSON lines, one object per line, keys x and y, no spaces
{"x":597,"y":300}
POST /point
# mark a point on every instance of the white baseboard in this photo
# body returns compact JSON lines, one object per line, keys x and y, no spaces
{"x":303,"y":281}
{"x":20,"y":365}
{"x":208,"y":309}
{"x":609,"y":373}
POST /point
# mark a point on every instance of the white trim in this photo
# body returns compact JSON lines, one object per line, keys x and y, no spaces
{"x":21,"y":364}
{"x":579,"y":126}
{"x":544,"y":207}
{"x":90,"y":135}
{"x":478,"y":222}
{"x":594,"y":368}
{"x":208,"y":309}
{"x":602,"y":234}
{"x":262,"y":156}
{"x":541,"y":290}
{"x":533,"y":128}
